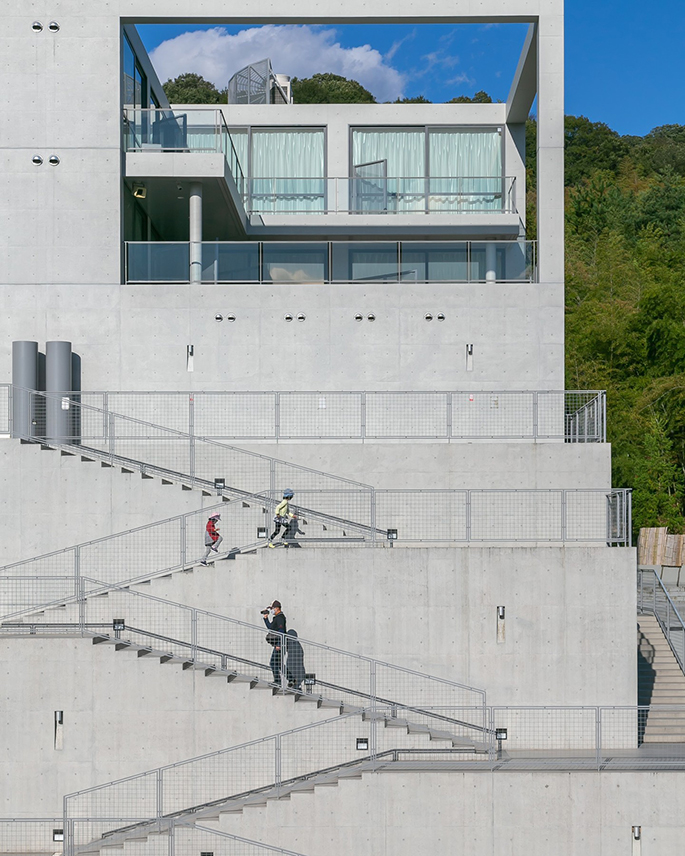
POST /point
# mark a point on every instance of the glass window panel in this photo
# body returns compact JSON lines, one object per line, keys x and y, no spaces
{"x":394,"y":186}
{"x":158,"y":262}
{"x":237,"y":262}
{"x":295,"y":262}
{"x":434,"y":262}
{"x":365,"y":262}
{"x":128,"y":72}
{"x":287,"y":170}
{"x":465,"y":170}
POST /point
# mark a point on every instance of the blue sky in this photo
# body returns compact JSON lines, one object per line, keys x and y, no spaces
{"x":625,"y":60}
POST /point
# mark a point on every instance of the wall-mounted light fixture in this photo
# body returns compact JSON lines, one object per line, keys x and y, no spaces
{"x":219,"y":484}
{"x":362,"y":744}
{"x":37,"y":27}
{"x":370,"y":317}
{"x":469,"y":358}
{"x":637,"y":833}
{"x":428,"y":316}
{"x":190,"y":358}
{"x":261,"y":532}
{"x":58,"y":835}
{"x":301,"y":317}
{"x":230,"y":318}
{"x":218,"y":317}
{"x":358,"y":317}
{"x":441,"y":316}
{"x":37,"y":160}
{"x":139,"y":191}
{"x":118,"y":624}
{"x":53,"y":26}
{"x":288,"y":317}
{"x":53,"y":160}
{"x":391,"y":535}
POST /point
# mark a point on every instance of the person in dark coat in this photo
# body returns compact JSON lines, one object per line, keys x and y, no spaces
{"x":294,"y":666}
{"x":277,"y":624}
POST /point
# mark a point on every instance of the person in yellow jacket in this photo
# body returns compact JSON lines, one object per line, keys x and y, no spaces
{"x":283,"y":518}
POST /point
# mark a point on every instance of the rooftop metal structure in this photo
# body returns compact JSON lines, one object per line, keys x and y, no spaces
{"x":258,"y":84}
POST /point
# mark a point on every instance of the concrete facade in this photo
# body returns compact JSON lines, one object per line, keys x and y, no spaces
{"x":570,"y":610}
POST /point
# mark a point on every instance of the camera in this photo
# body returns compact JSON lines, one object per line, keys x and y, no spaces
{"x":266,"y":611}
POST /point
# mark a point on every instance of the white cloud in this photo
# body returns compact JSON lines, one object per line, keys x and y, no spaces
{"x":299,"y":51}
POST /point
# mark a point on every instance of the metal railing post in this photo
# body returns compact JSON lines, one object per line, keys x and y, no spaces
{"x":468,"y":515}
{"x":362,"y":427}
{"x":160,"y":793}
{"x":277,"y":415}
{"x":183,"y":544}
{"x":373,"y":735}
{"x":373,"y":515}
{"x":112,"y":436}
{"x":277,"y":760}
{"x":191,"y":415}
{"x":172,"y":838}
{"x":193,"y":634}
{"x":564,"y":519}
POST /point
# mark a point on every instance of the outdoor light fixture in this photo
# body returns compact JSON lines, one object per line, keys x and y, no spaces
{"x":371,"y":317}
{"x":139,"y":191}
{"x":219,"y":484}
{"x":500,"y":613}
{"x":358,"y":317}
{"x":392,"y":535}
{"x":261,"y":532}
{"x":59,"y":717}
{"x":230,"y":317}
{"x":218,"y":317}
{"x":118,"y":624}
{"x":428,"y":316}
{"x":363,"y":744}
{"x":53,"y":26}
{"x":637,"y":833}
{"x":501,"y":733}
{"x":206,"y":853}
{"x":288,"y":317}
{"x":36,"y":26}
{"x":301,"y":317}
{"x":38,"y":160}
{"x":53,"y":160}
{"x":441,"y":317}
{"x":58,"y":835}
{"x":309,"y":679}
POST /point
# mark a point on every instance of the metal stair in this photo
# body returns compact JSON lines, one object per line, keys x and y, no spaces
{"x":660,"y":682}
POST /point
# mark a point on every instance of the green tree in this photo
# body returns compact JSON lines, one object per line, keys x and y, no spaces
{"x":480,"y":97}
{"x":591,"y":146}
{"x":663,"y":149}
{"x":658,"y":487}
{"x":192,"y":88}
{"x":416,"y":99}
{"x":329,"y":89}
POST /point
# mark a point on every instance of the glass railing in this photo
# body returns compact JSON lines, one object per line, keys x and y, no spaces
{"x":165,"y":130}
{"x":319,"y":262}
{"x":356,"y":195}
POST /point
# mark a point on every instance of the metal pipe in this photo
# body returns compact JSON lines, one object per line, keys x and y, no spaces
{"x":195,"y":229}
{"x":58,"y":380}
{"x":24,"y":378}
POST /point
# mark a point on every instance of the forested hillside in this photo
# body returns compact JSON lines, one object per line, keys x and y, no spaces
{"x":625,"y":302}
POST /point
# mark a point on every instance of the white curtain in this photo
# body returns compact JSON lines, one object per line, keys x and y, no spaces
{"x":287,"y":170}
{"x":404,"y":151}
{"x":465,"y":170}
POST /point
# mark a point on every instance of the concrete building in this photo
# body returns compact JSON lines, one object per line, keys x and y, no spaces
{"x":205,"y":305}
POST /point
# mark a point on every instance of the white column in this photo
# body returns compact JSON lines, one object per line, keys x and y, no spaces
{"x":491,"y":262}
{"x":195,"y":215}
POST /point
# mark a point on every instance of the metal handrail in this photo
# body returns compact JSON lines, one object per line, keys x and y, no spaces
{"x":579,"y":415}
{"x":662,"y":607}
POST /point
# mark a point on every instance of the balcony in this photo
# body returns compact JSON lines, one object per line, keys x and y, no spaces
{"x":328,"y":262}
{"x":166,"y":148}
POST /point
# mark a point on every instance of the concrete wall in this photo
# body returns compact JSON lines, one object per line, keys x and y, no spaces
{"x":477,"y":814}
{"x":135,"y":337}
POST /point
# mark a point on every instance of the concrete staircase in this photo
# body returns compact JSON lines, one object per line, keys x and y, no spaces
{"x":660,"y":682}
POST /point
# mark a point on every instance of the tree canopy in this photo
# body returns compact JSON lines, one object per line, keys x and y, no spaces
{"x":192,"y":88}
{"x":329,"y":89}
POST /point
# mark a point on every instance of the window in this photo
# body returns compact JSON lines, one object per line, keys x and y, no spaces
{"x":426,"y":169}
{"x":287,"y":170}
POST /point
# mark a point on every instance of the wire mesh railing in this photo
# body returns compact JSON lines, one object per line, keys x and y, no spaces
{"x":236,"y":649}
{"x":145,"y":552}
{"x":201,"y":787}
{"x":22,"y":836}
{"x":577,"y":416}
{"x":653,"y":598}
{"x":514,"y":738}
